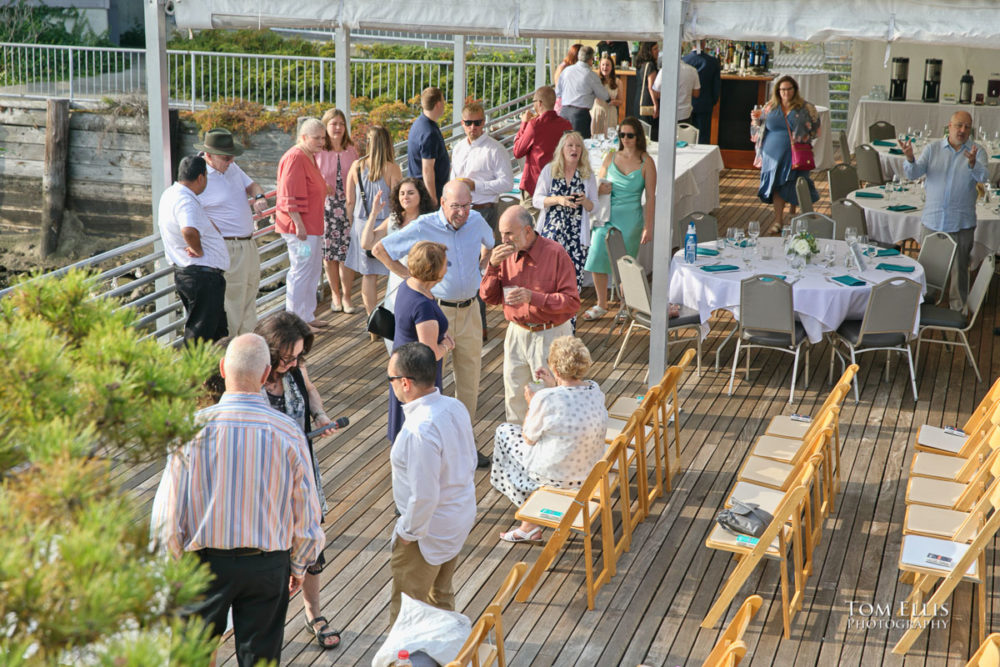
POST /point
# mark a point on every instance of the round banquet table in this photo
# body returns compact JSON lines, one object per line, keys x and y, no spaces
{"x":820,"y":303}
{"x":894,"y":227}
{"x":892,"y":161}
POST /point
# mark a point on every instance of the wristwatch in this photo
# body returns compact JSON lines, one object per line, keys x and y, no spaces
{"x":260,"y":196}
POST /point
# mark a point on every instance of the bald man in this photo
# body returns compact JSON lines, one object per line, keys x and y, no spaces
{"x":953,"y":166}
{"x":469,"y":240}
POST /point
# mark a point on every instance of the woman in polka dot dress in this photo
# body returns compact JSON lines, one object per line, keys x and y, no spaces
{"x":562,"y":437}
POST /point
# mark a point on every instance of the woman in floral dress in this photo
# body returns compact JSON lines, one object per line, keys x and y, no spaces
{"x":334,"y":163}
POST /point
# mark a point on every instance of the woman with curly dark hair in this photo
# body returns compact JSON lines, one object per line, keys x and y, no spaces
{"x":290,"y":391}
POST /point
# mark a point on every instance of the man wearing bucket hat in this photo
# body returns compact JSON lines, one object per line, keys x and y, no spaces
{"x":225,"y":203}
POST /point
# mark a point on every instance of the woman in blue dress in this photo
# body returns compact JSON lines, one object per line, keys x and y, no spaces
{"x":786,"y":115}
{"x":418,"y":316}
{"x":631,"y":172}
{"x":566,"y":193}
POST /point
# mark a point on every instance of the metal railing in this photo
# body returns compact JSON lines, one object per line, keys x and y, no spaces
{"x":427,"y":40}
{"x":197,"y":78}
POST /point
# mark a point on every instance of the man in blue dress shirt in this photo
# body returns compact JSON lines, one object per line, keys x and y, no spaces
{"x":469,"y":240}
{"x":953,"y":166}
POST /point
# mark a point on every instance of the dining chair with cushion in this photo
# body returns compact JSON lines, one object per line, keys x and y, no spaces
{"x":803,"y":194}
{"x":937,"y":254}
{"x":869,"y":167}
{"x":688,"y":133}
{"x":767,"y":320}
{"x":636,"y":295}
{"x":937,"y":318}
{"x":819,"y":225}
{"x":848,"y":213}
{"x":843,"y":181}
{"x":706,"y":226}
{"x":845,"y":151}
{"x":646,"y":128}
{"x":881,"y":130}
{"x":887,"y":325}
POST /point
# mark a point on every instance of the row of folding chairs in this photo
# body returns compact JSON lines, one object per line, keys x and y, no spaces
{"x":793,"y":473}
{"x":952,"y":498}
{"x":485,"y":643}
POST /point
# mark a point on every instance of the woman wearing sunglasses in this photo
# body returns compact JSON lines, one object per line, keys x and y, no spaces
{"x":630,"y":172}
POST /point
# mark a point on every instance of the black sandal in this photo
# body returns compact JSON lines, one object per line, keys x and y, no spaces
{"x":323,"y":633}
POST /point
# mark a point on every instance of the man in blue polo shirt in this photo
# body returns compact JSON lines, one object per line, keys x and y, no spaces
{"x":469,"y":240}
{"x":426,"y":153}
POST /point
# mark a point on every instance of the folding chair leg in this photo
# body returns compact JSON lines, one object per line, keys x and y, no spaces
{"x":736,"y":360}
{"x":968,"y":354}
{"x":722,"y":345}
{"x":855,"y":378}
{"x":795,"y":373}
{"x":624,"y":343}
{"x":913,"y":377}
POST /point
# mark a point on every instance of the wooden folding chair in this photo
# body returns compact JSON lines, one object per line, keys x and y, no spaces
{"x":566,"y":514}
{"x":635,"y":434}
{"x":968,"y":563}
{"x":988,"y":654}
{"x":723,"y":653}
{"x":952,"y":524}
{"x":954,"y":468}
{"x":478,"y":650}
{"x":935,"y":440}
{"x":777,"y":474}
{"x":781,"y":533}
{"x":953,"y":495}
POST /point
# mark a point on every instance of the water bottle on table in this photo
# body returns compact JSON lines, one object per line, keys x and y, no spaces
{"x":691,"y":244}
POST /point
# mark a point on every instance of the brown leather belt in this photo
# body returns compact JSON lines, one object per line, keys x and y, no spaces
{"x":235,"y":553}
{"x":537,"y":327}
{"x":457,"y":304}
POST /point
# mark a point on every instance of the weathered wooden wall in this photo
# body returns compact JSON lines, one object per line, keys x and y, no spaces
{"x":108,"y":165}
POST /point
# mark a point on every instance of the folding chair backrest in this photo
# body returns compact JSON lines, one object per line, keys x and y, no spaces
{"x":892,"y":308}
{"x":803,"y":194}
{"x":469,"y":653}
{"x":509,"y":584}
{"x":869,"y":167}
{"x":988,"y":654}
{"x":845,"y":151}
{"x":706,"y":226}
{"x":980,"y":287}
{"x":687,"y":132}
{"x":615,"y":244}
{"x":819,"y":225}
{"x":880,"y":130}
{"x":937,"y":253}
{"x":734,"y":631}
{"x":635,"y":286}
{"x":848,"y":213}
{"x":843,"y":180}
{"x":766,"y":305}
{"x":989,"y":502}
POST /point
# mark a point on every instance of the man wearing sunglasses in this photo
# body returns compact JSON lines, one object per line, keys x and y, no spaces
{"x":482,"y":163}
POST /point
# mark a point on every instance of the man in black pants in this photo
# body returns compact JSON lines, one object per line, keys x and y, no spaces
{"x":195,"y":247}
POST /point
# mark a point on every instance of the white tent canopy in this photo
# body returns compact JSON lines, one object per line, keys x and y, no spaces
{"x":964,"y":22}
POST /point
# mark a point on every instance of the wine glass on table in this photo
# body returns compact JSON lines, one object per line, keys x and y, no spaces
{"x":829,"y":256}
{"x":850,"y":235}
{"x":731,"y":237}
{"x":753,"y":229}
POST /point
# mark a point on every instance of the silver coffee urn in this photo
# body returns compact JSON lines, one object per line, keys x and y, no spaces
{"x":932,"y":80}
{"x":897,"y":84}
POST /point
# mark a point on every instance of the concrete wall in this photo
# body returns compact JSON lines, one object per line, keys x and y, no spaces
{"x":108,"y":164}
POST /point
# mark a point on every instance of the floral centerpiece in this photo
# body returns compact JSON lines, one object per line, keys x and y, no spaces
{"x":803,"y":245}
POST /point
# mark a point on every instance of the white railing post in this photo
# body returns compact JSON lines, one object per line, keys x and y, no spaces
{"x":342,"y":67}
{"x":71,"y":72}
{"x":539,"y":62}
{"x":192,"y":80}
{"x":459,"y":82}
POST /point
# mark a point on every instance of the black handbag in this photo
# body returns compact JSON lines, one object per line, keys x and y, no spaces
{"x":382,"y":322}
{"x":744,"y":519}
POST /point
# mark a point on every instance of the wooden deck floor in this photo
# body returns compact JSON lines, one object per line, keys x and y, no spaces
{"x":651,"y":610}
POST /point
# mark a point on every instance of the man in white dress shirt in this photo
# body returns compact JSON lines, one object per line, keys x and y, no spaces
{"x":194,"y":246}
{"x":482,"y":163}
{"x":688,"y":88}
{"x":578,"y":85}
{"x":433,"y":482}
{"x":225,"y":202}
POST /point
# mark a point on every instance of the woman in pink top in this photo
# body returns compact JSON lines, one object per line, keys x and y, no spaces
{"x":299,"y":214}
{"x":334,"y":163}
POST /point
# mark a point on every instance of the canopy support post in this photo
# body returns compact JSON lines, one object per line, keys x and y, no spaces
{"x":458,"y":85}
{"x":342,"y":68}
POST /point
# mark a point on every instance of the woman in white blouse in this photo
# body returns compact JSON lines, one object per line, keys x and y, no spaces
{"x":566,"y":193}
{"x":562,"y":437}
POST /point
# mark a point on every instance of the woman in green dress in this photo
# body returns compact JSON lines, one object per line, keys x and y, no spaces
{"x":631,"y":172}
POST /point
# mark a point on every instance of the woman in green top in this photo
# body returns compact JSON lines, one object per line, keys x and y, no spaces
{"x":631,"y":171}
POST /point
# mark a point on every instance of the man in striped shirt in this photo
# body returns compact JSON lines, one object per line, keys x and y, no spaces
{"x":241,"y":496}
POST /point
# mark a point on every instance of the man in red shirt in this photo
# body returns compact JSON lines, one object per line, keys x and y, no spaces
{"x":533,"y":277}
{"x":537,"y":138}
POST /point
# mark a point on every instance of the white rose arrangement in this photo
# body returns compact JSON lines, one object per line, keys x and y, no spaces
{"x":804,"y":245}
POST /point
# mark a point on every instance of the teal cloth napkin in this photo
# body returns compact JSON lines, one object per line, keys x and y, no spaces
{"x":776,"y":275}
{"x":720,"y":267}
{"x":682,"y":144}
{"x":895,"y":151}
{"x":899,"y":208}
{"x":869,"y":195}
{"x":708,"y":251}
{"x":902,"y":268}
{"x":887,"y":252}
{"x":850,"y":281}
{"x":995,"y":157}
{"x":883,"y":142}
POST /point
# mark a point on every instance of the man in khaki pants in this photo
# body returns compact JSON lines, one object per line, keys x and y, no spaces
{"x":433,"y":482}
{"x":468,"y":239}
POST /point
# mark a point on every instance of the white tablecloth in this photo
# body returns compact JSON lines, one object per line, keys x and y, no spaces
{"x":915,"y":114}
{"x":892,"y":164}
{"x":821,"y":305}
{"x":814,"y":85}
{"x":887,"y":226}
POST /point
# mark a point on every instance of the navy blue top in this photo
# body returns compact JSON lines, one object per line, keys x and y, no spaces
{"x":710,"y":78}
{"x":412,"y":308}
{"x":425,"y":142}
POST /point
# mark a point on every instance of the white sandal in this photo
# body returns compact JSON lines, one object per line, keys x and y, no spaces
{"x":518,"y":535}
{"x":595,"y":313}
